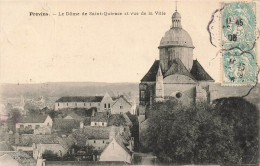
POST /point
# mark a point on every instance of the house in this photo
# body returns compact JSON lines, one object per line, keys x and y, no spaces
{"x":59,"y":146}
{"x":116,"y":151}
{"x":78,"y":102}
{"x":16,"y":158}
{"x":121,"y":106}
{"x":38,"y":144}
{"x":98,"y":137}
{"x":106,"y":103}
{"x":100,"y":119}
{"x":40,"y":124}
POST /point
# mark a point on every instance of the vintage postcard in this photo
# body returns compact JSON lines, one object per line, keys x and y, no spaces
{"x":113,"y":82}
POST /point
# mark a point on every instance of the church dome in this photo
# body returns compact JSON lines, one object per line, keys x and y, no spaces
{"x":176,"y":37}
{"x":176,"y":15}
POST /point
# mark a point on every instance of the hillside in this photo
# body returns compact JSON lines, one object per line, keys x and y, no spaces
{"x":57,"y":89}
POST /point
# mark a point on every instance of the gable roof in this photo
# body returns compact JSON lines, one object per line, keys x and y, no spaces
{"x":122,"y":97}
{"x":33,"y":119}
{"x":67,"y":142}
{"x":151,"y":74}
{"x":99,"y":117}
{"x":80,"y":99}
{"x":7,"y":160}
{"x":178,"y":67}
{"x":120,"y":141}
{"x":28,"y":140}
{"x":20,"y":156}
{"x":74,"y":116}
{"x":199,"y":73}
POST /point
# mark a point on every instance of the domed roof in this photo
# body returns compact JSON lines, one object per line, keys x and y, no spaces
{"x":176,"y":15}
{"x":176,"y":37}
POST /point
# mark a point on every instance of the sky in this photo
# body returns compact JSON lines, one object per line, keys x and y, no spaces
{"x":38,"y":49}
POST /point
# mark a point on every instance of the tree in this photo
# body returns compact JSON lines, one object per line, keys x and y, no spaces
{"x":242,"y":116}
{"x":15,"y":117}
{"x":197,"y":135}
{"x":50,"y":156}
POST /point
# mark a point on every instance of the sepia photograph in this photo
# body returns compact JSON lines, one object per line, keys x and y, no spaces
{"x":134,"y":82}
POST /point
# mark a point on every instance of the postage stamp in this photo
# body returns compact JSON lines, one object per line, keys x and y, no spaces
{"x":238,"y":41}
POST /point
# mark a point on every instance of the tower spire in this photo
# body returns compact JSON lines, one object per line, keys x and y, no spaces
{"x":176,"y":6}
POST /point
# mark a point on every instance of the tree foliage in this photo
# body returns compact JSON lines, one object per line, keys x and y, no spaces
{"x":223,"y":133}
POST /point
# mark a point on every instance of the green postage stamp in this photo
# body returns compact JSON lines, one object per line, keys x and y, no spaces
{"x":238,"y":41}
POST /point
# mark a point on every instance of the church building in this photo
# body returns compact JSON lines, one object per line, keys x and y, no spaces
{"x":175,"y":74}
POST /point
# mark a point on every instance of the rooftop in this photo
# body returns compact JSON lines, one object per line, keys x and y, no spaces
{"x":92,"y":132}
{"x":19,"y":156}
{"x":197,"y":71}
{"x":99,"y":117}
{"x":80,"y":99}
{"x":29,"y":139}
{"x":33,"y":119}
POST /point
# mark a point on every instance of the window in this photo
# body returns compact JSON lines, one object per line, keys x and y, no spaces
{"x":37,"y":126}
{"x":58,"y":104}
{"x":30,"y":126}
{"x":75,"y":104}
{"x":84,"y":104}
{"x":102,"y":124}
{"x":89,"y":104}
{"x":94,"y":141}
{"x":95,"y":124}
{"x":121,"y":107}
{"x":103,"y":141}
{"x":105,"y":105}
{"x":21,"y":126}
{"x":98,"y":104}
{"x":108,"y":105}
{"x":48,"y":124}
{"x":178,"y":95}
{"x":67,"y":104}
{"x":142,"y":94}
